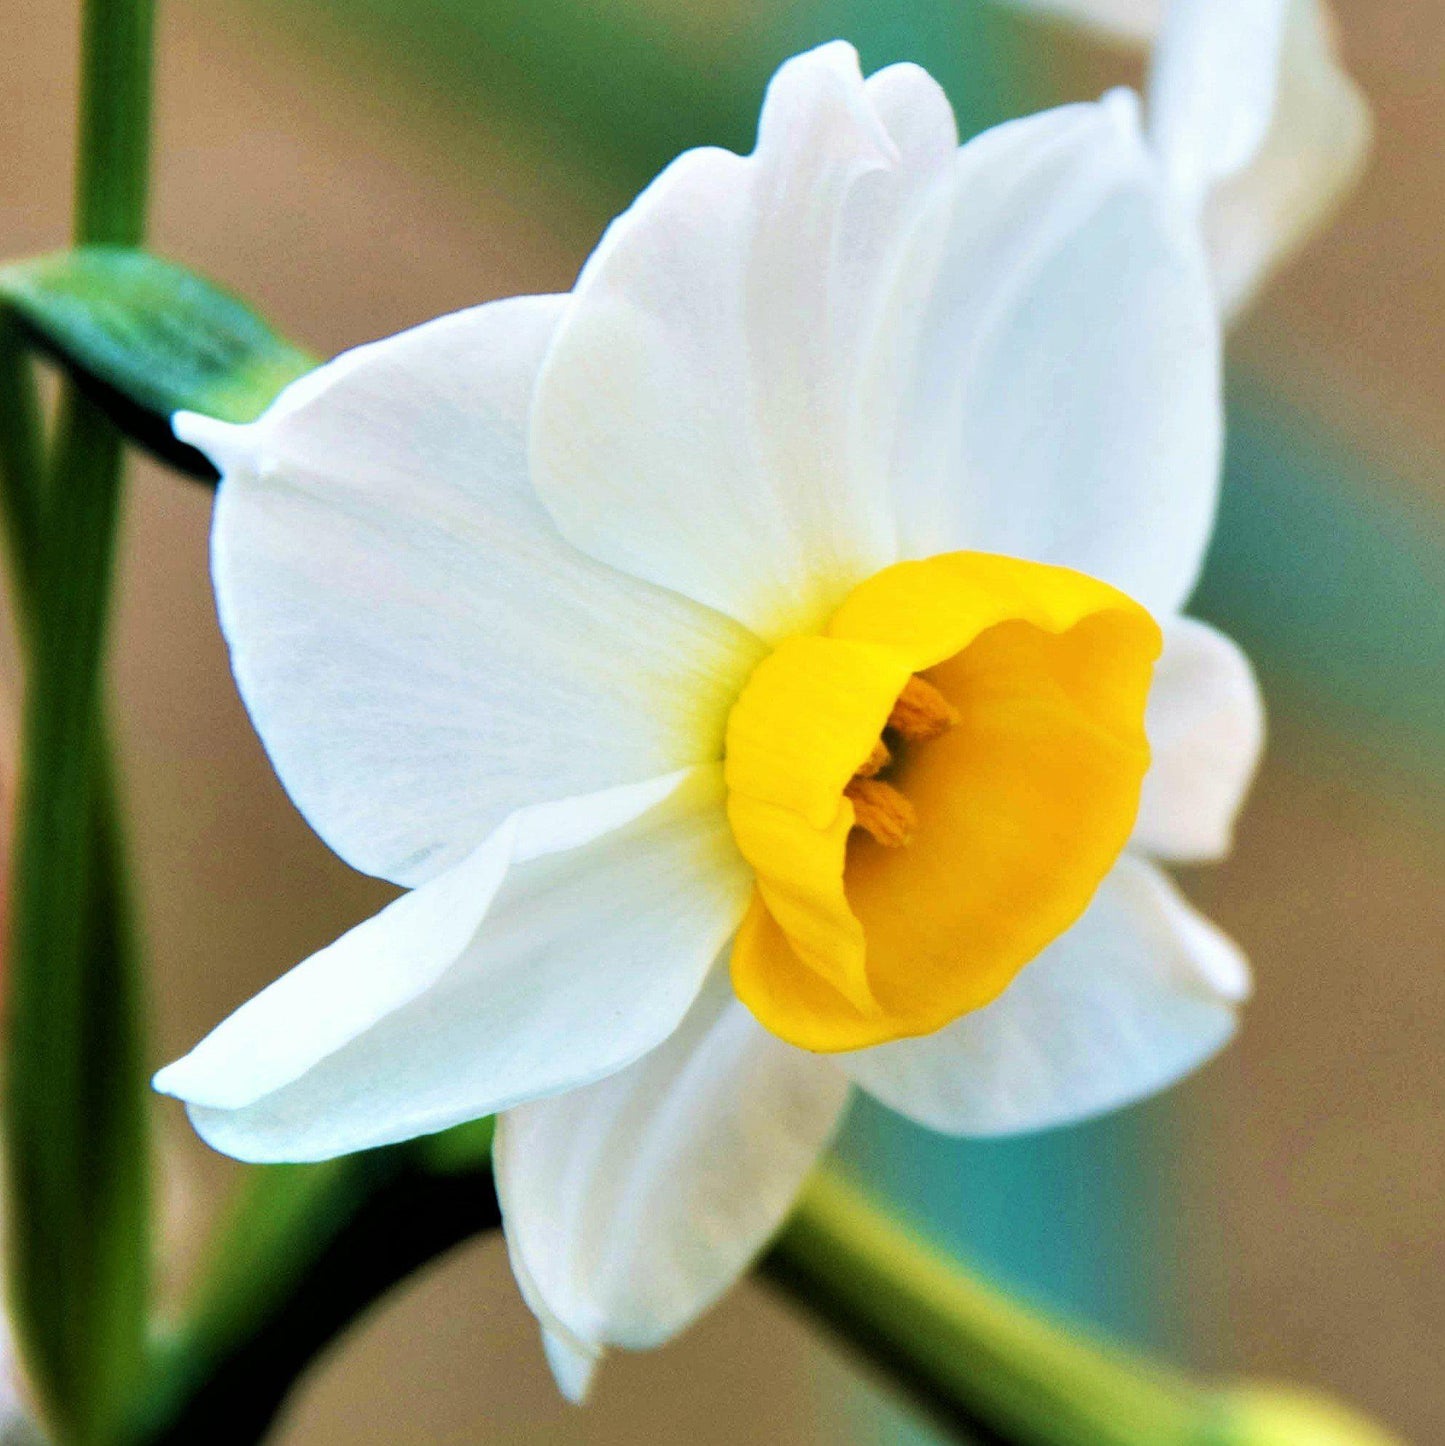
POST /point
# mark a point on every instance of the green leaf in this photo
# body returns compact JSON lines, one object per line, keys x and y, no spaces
{"x":147,"y":338}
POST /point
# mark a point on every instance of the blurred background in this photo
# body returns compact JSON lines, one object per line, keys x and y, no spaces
{"x":355,"y":166}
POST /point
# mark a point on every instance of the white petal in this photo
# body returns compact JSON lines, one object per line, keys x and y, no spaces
{"x":1212,"y":88}
{"x":695,"y":419}
{"x":1311,"y":157}
{"x":630,"y":1206}
{"x":421,"y":652}
{"x":393,"y":957}
{"x":573,"y":1362}
{"x":1055,"y":356}
{"x":1206,"y":730}
{"x":556,"y":954}
{"x":1139,"y":992}
{"x":917,"y":116}
{"x":573,"y":1367}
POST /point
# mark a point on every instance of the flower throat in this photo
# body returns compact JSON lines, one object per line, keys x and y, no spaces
{"x":881,"y":810}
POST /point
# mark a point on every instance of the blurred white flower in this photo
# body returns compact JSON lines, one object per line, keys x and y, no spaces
{"x":17,"y":1426}
{"x":598,"y":620}
{"x":1260,"y":125}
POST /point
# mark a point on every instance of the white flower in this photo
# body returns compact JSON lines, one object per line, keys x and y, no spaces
{"x":1260,"y":125}
{"x":502,"y":591}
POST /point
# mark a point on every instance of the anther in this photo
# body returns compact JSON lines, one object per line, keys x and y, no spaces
{"x":921,"y":712}
{"x":881,"y":811}
{"x":876,"y":761}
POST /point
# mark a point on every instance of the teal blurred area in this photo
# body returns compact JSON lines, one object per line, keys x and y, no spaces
{"x":1329,"y":570}
{"x":1330,"y":574}
{"x":1326,"y":565}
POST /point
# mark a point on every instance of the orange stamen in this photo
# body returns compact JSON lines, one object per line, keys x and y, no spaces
{"x":881,"y":811}
{"x":876,"y":761}
{"x":921,"y":712}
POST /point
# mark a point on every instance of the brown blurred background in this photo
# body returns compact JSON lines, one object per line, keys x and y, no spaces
{"x":291,"y":166}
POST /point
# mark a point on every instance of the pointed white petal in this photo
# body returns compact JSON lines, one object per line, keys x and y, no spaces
{"x":1050,"y":387}
{"x":524,"y":971}
{"x":1310,"y":159}
{"x":1139,"y":992}
{"x":573,"y":1361}
{"x":630,"y":1206}
{"x":573,"y":1368}
{"x":391,"y":958}
{"x":344,"y":989}
{"x":421,"y":652}
{"x":229,"y":445}
{"x":1206,"y":730}
{"x":695,"y":420}
{"x":1212,"y":88}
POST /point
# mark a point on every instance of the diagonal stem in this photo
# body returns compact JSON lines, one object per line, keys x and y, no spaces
{"x":983,"y":1367}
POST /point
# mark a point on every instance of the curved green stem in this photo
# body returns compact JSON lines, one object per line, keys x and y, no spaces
{"x":74,"y":1096}
{"x":307,"y":1250}
{"x":74,"y":1100}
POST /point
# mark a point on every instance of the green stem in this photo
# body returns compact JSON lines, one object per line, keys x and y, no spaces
{"x":308,"y":1250}
{"x":976,"y":1361}
{"x":22,"y":465}
{"x":74,"y":1096}
{"x":106,"y":919}
{"x":113,"y":164}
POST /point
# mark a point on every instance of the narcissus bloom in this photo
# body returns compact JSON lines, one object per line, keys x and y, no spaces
{"x":1263,"y":130}
{"x":764,"y":668}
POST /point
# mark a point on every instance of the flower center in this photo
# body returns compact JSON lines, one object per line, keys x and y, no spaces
{"x":930,"y":790}
{"x":920,"y":712}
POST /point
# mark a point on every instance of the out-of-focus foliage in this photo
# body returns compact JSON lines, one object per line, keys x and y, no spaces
{"x":611,"y":93}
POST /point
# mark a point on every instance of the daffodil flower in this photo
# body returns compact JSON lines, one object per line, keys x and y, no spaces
{"x":1263,"y":129}
{"x":747,"y":662}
